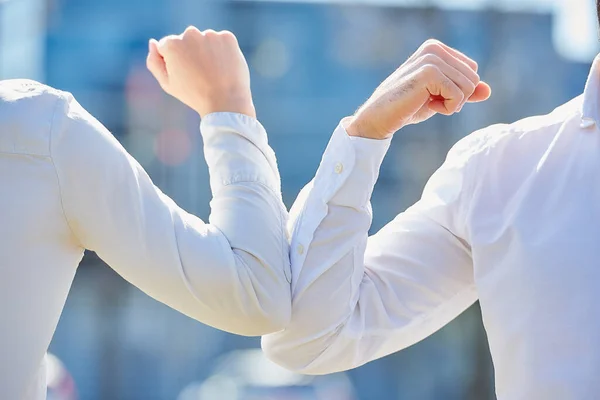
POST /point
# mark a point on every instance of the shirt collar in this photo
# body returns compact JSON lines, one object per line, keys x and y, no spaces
{"x":590,"y":112}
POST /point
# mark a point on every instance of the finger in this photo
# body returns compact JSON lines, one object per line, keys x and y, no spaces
{"x":155,"y":63}
{"x":165,"y":44}
{"x":434,"y":46}
{"x":439,"y":56}
{"x":446,"y":96}
{"x":459,"y":64}
{"x":229,"y":38}
{"x":191,"y":30}
{"x":464,"y":83}
{"x":482,"y":92}
{"x":461,"y":56}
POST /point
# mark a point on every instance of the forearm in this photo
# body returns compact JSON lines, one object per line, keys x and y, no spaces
{"x":330,"y":224}
{"x":247,"y":206}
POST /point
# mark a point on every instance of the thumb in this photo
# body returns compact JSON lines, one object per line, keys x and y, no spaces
{"x":156,"y":64}
{"x":482,"y":92}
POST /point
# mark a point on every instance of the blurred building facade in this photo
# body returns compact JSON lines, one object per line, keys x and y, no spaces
{"x":311,"y":65}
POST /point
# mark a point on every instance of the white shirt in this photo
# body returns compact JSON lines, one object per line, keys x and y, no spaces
{"x":511,"y":218}
{"x":68,"y":185}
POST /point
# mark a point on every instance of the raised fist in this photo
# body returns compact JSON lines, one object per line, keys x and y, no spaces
{"x":436,"y":79}
{"x":205,"y":70}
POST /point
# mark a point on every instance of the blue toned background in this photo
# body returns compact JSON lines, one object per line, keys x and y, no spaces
{"x":312,"y":63}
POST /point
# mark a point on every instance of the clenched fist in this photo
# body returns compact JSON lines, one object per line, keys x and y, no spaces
{"x":436,"y":79}
{"x":205,"y":70}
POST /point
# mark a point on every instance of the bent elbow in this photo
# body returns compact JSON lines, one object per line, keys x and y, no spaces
{"x":272,"y":317}
{"x":300,"y":359}
{"x":265,"y":316}
{"x":282,"y":353}
{"x":267,"y":301}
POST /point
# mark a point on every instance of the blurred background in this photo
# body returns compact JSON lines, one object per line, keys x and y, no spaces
{"x":312,"y":63}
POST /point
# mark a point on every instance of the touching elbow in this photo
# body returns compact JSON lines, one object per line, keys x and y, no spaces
{"x":273,"y":316}
{"x":267,"y":300}
{"x":298,"y":359}
{"x":281,"y":354}
{"x":264,"y":314}
{"x":248,"y":317}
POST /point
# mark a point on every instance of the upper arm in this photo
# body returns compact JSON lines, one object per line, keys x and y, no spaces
{"x":228,"y":274}
{"x":115,"y":210}
{"x":417,"y":277}
{"x":386,"y":292}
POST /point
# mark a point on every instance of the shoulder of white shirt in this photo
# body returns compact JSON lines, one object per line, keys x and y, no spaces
{"x":27,"y":112}
{"x":484,"y":140}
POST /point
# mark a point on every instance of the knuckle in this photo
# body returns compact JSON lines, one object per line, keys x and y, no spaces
{"x":170,"y":42}
{"x":429,"y":58}
{"x":228,"y":36}
{"x":430,"y":70}
{"x":432,"y":46}
{"x":190,"y":30}
{"x":226,"y":33}
{"x":210,"y":33}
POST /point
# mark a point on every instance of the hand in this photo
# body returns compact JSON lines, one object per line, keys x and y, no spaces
{"x":436,"y":79}
{"x":205,"y":70}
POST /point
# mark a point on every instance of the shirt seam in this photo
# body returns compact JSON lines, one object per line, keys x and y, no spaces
{"x":24,"y":153}
{"x":60,"y":101}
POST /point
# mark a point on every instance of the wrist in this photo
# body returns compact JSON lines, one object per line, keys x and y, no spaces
{"x":356,"y":127}
{"x":231,"y":105}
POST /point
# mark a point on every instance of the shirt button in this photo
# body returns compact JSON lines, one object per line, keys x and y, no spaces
{"x":300,"y":249}
{"x":339,"y":167}
{"x":587,"y":123}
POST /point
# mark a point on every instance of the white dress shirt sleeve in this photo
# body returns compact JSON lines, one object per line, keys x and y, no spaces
{"x":233,"y":273}
{"x":357,"y":299}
